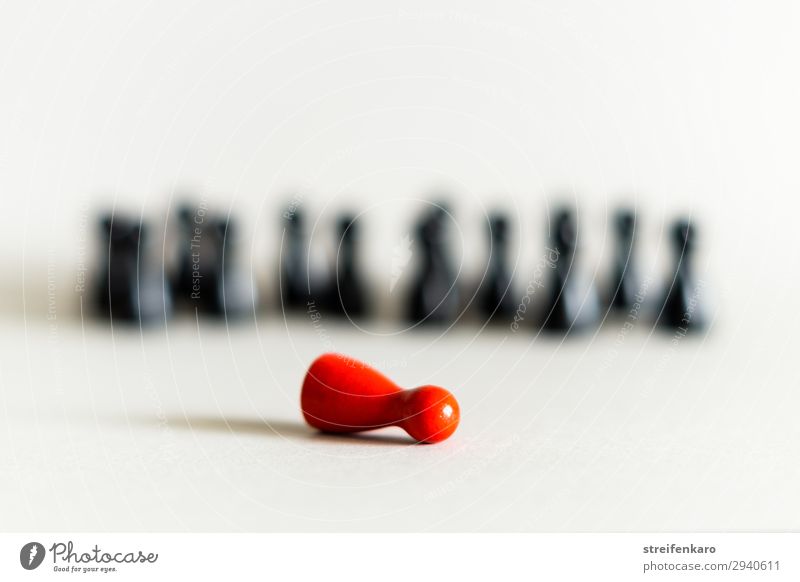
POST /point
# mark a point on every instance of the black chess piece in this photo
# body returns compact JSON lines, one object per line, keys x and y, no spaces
{"x":189,"y":236}
{"x":209,"y":279}
{"x":434,"y":295}
{"x":233,"y":293}
{"x":681,"y":307}
{"x":131,"y":286}
{"x":573,"y":304}
{"x":625,"y":282}
{"x":494,"y":293}
{"x":347,"y":294}
{"x":295,"y":283}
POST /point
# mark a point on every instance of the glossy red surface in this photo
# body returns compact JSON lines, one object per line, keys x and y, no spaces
{"x":343,"y":395}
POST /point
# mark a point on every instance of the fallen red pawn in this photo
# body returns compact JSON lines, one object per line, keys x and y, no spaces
{"x":342,"y":395}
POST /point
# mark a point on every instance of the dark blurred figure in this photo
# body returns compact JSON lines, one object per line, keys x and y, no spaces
{"x":295,"y":277}
{"x":208,"y":278}
{"x":131,"y":286}
{"x":434,"y":296}
{"x":681,"y":309}
{"x":573,"y":304}
{"x":625,"y":282}
{"x":494,"y":294}
{"x":347,"y":294}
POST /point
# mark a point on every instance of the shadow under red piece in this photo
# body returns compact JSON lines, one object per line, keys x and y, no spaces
{"x":342,"y":395}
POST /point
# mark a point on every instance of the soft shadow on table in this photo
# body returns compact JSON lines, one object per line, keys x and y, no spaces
{"x":278,"y":428}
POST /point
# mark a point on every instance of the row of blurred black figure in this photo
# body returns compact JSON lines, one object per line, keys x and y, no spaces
{"x":133,"y":287}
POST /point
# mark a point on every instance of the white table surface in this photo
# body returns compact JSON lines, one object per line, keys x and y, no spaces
{"x":198,"y":428}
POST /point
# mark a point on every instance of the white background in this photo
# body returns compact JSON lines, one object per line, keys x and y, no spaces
{"x":682,"y":109}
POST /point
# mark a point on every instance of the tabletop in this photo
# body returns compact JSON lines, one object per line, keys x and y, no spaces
{"x":196,"y":426}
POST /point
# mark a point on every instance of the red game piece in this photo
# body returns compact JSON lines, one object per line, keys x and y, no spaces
{"x":343,"y":395}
